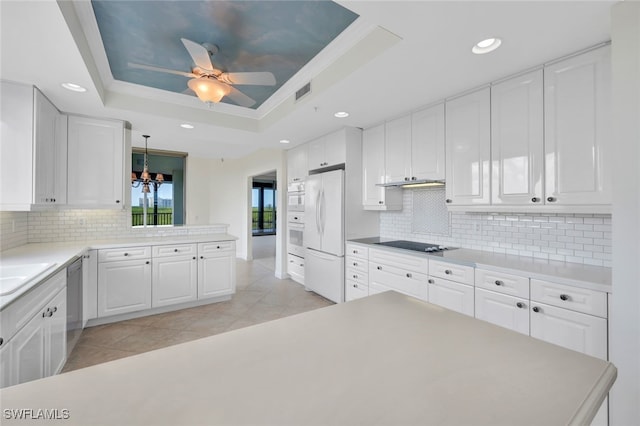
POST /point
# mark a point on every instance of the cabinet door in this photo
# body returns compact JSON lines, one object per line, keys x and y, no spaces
{"x":468,"y":147}
{"x":89,"y":286}
{"x":373,"y":173}
{"x":216,"y":276}
{"x":578,"y":131}
{"x":505,"y":311}
{"x":174,"y":280}
{"x":95,"y":149}
{"x":573,"y":330}
{"x":6,"y":378}
{"x":28,"y":351}
{"x":16,"y":146}
{"x":451,"y":295}
{"x":397,"y":150}
{"x":297,"y":167}
{"x":427,"y":143}
{"x":315,"y":152}
{"x":335,"y":148}
{"x":46,"y":120}
{"x":517,"y":132}
{"x":56,"y":334}
{"x":123,"y":286}
{"x":373,"y":166}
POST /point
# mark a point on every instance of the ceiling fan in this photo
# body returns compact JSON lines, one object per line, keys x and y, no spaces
{"x":211,"y":84}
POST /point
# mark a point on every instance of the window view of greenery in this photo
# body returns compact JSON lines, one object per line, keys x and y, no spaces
{"x":165,"y":200}
{"x":264,"y":210}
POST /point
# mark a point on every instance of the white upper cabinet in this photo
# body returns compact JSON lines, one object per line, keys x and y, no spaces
{"x":517,"y":139}
{"x":297,"y":166}
{"x":578,"y":129}
{"x":97,"y":149}
{"x":397,"y":151}
{"x":373,"y":173}
{"x":33,"y":149}
{"x":468,"y":148}
{"x":326,"y":151}
{"x":427,"y":143}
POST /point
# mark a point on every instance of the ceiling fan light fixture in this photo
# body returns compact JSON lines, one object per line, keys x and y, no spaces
{"x":486,"y":45}
{"x":208,"y":89}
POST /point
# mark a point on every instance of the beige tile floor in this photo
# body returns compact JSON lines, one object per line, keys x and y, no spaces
{"x":259,"y":297}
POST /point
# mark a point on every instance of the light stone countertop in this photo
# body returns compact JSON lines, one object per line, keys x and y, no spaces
{"x":574,"y":274}
{"x":63,"y":254}
{"x":387,"y":359}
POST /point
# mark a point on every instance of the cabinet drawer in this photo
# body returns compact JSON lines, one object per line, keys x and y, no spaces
{"x":128,"y":253}
{"x":20,"y":312}
{"x":506,"y":311}
{"x":216,"y":247}
{"x":357,"y":264}
{"x":410,"y":283}
{"x":564,"y":296}
{"x":512,"y":285}
{"x":580,"y":332}
{"x":450,"y":271}
{"x":357,"y":276}
{"x":355,"y":250}
{"x":451,"y":295}
{"x":410,"y":263}
{"x":174,"y":250}
{"x":354,"y":290}
{"x":295,"y":265}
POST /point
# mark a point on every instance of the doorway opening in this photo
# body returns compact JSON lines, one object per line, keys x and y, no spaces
{"x":263,"y":218}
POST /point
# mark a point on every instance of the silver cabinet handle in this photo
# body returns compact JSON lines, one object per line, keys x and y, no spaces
{"x":448,"y":271}
{"x":498,"y":282}
{"x":430,"y":281}
{"x":408,"y":275}
{"x":520,"y":305}
{"x":379,"y":268}
{"x":551,"y":199}
{"x":564,"y":297}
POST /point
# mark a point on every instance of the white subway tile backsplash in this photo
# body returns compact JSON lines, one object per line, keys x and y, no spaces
{"x":577,"y":238}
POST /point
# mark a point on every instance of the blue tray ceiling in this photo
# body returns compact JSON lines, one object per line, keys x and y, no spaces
{"x":276,"y":36}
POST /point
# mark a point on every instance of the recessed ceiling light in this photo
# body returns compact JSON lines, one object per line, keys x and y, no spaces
{"x":341,"y":114}
{"x":285,"y":141}
{"x":186,"y":126}
{"x":74,"y":87}
{"x":486,"y":46}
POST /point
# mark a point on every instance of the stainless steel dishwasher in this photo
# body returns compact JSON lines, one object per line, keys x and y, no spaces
{"x":74,"y":303}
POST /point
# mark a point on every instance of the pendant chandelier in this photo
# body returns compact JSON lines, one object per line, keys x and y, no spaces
{"x":145,"y":178}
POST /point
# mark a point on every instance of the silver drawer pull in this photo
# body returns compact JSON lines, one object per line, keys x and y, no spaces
{"x":498,"y":282}
{"x":355,"y":277}
{"x":430,"y":281}
{"x":448,"y":271}
{"x":408,"y":275}
{"x":379,"y":268}
{"x":564,"y":297}
{"x":520,"y":305}
{"x":355,"y":263}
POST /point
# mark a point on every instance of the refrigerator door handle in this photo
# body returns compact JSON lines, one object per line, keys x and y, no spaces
{"x":323,"y":212}
{"x":318,"y":213}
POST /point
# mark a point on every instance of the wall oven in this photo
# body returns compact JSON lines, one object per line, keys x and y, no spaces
{"x":295,"y":231}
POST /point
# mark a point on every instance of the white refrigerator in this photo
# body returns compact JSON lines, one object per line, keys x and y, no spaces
{"x":324,"y":234}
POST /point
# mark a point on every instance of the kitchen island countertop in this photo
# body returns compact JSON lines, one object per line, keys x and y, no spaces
{"x":386,"y":359}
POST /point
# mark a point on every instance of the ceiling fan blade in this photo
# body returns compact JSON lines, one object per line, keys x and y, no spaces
{"x":199,"y":54}
{"x":159,"y":69}
{"x":240,"y":98}
{"x":253,"y":78}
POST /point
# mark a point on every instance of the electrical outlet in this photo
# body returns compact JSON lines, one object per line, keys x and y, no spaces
{"x":478,"y":227}
{"x":81,"y":221}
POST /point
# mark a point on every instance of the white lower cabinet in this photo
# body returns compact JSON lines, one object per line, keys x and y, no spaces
{"x":216,"y":269}
{"x":174,"y":275}
{"x":39,"y":349}
{"x":451,"y":295}
{"x":506,"y":311}
{"x":123,"y":286}
{"x":5,"y":365}
{"x":134,"y":279}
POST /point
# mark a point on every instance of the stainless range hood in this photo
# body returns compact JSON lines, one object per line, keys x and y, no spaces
{"x":419,"y":183}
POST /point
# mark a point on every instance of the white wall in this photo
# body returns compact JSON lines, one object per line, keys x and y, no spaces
{"x":624,"y":349}
{"x":230,"y":197}
{"x":197,"y":190}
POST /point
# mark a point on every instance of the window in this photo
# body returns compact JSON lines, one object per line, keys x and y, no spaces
{"x":264,"y":207}
{"x":164,"y":203}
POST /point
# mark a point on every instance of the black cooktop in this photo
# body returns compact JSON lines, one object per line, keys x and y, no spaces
{"x":415,"y":246}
